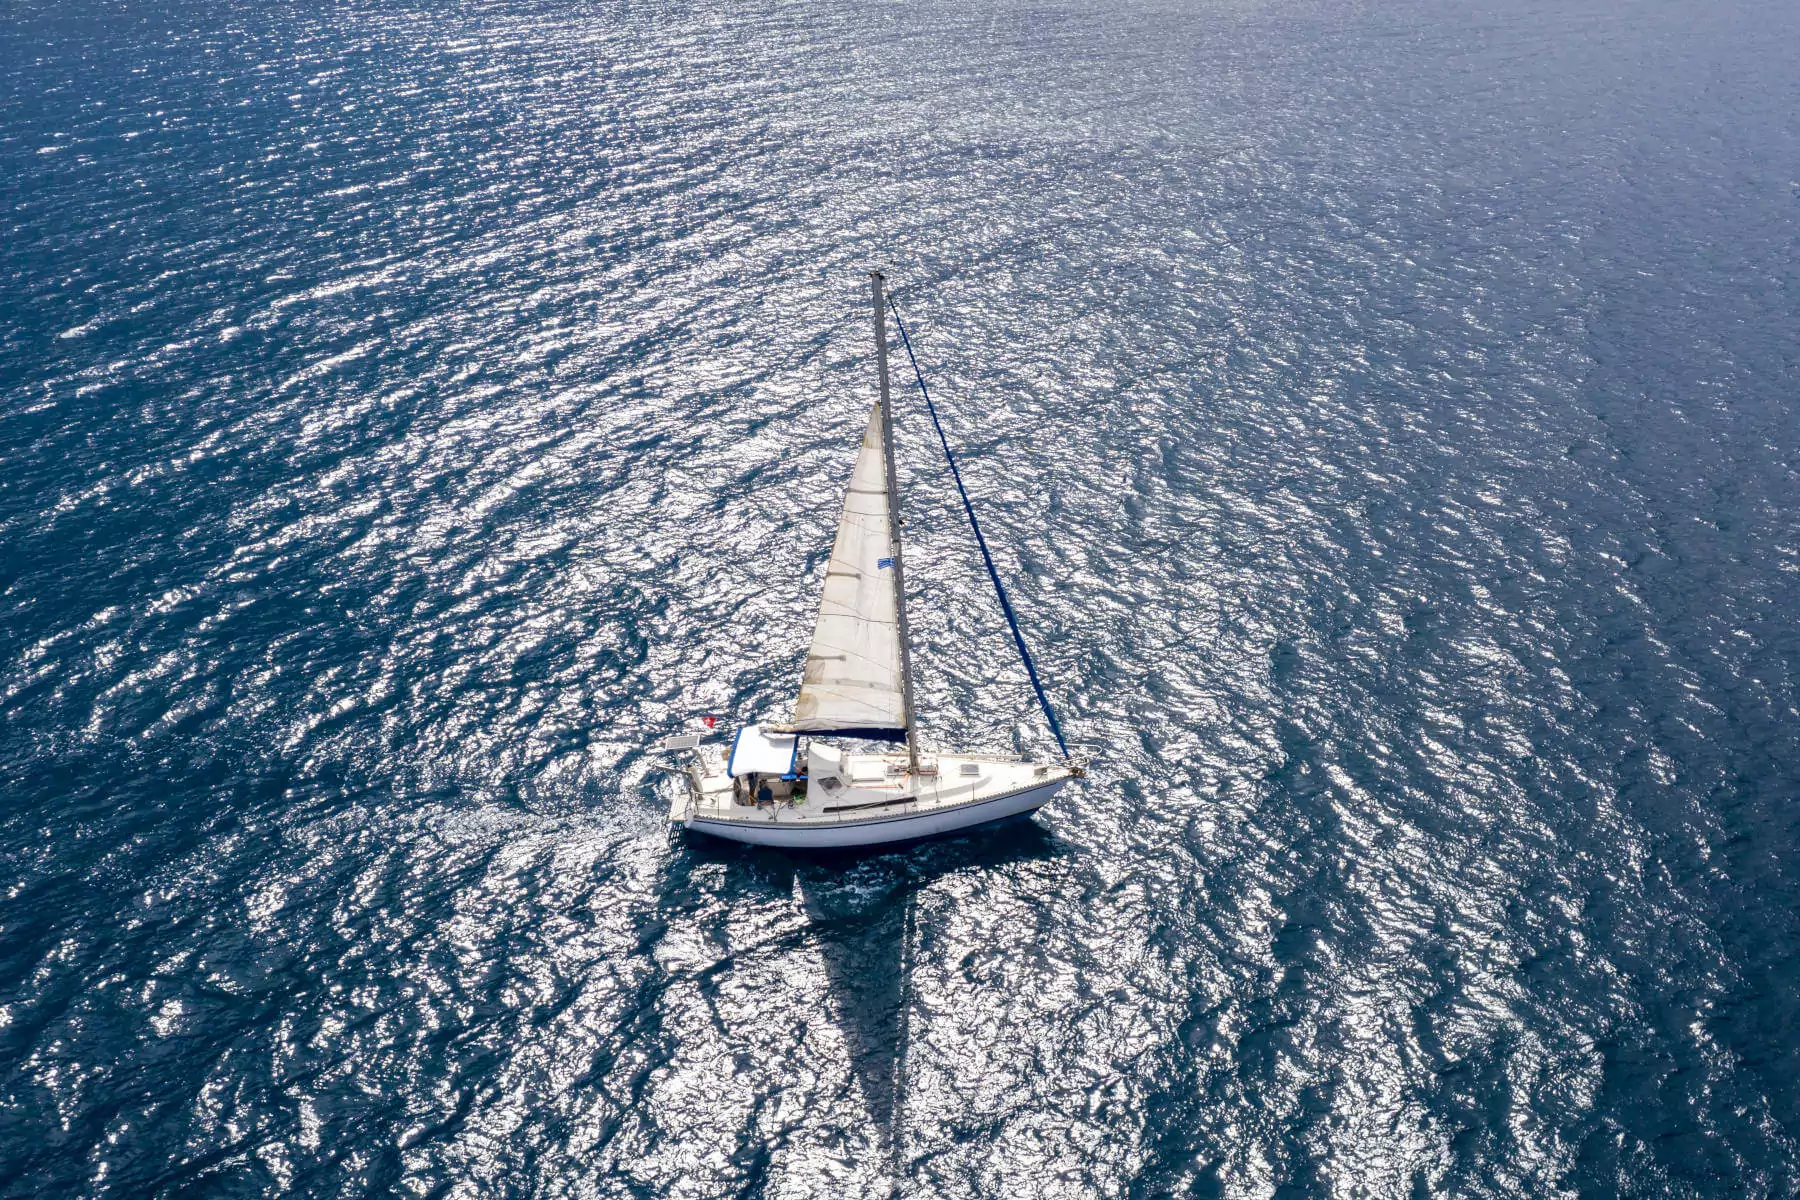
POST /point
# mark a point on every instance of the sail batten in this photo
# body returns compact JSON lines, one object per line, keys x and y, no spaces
{"x":854,"y":677}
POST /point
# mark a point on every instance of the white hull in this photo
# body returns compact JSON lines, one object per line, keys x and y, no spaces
{"x":866,"y":800}
{"x":772,"y":831}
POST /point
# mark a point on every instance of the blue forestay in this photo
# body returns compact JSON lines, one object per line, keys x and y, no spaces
{"x":1006,"y":607}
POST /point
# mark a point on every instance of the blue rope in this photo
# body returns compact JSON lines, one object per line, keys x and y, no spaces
{"x":1005,"y":604}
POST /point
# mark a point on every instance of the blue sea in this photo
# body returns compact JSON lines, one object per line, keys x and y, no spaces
{"x":1384,"y":417}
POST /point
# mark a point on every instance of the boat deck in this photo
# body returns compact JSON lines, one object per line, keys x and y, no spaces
{"x":864,"y":789}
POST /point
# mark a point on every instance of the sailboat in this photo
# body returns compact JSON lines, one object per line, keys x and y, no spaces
{"x":814,"y":781}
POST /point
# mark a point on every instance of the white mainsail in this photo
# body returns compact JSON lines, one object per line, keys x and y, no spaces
{"x":854,"y":677}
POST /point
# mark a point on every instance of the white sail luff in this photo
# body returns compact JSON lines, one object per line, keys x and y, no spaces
{"x":886,"y":410}
{"x":853,"y":676}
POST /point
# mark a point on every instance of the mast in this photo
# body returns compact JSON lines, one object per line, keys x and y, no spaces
{"x":893,"y":487}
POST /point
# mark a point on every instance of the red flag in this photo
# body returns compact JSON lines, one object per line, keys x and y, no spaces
{"x":710,"y":721}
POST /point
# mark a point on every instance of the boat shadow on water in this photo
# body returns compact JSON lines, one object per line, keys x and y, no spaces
{"x":863,"y":914}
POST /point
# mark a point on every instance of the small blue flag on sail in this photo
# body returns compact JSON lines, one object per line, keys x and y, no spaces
{"x":886,"y":562}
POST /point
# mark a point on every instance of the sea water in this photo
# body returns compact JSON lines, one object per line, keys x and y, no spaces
{"x":1384,"y":416}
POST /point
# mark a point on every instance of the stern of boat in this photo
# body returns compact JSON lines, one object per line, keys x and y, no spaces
{"x":696,"y":778}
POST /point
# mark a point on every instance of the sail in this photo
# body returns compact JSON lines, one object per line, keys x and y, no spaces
{"x":853,"y":681}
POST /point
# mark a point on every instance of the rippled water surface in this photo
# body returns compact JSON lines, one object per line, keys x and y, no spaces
{"x":1385,"y":415}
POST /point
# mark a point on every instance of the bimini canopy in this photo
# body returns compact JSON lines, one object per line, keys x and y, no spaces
{"x":853,"y":683}
{"x":761,"y":753}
